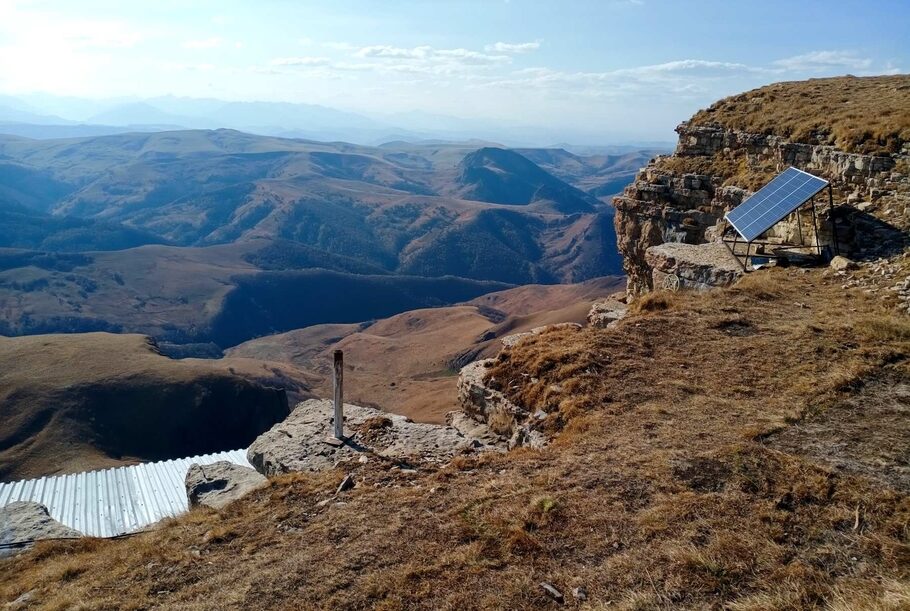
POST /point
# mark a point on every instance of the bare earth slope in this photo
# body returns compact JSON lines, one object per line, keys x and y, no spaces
{"x":71,"y":403}
{"x":408,"y":363}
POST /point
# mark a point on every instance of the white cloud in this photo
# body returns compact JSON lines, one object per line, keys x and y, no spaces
{"x":513,"y":47}
{"x":300,"y":61}
{"x":427,"y":54}
{"x":824,"y":60}
{"x":686,"y":65}
{"x":204,"y":43}
{"x":678,"y":77}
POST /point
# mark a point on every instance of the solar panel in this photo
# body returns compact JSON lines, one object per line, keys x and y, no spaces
{"x":788,"y":191}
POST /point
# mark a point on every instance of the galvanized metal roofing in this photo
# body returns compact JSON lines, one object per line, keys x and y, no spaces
{"x":115,"y":501}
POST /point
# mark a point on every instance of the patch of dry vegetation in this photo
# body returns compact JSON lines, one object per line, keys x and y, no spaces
{"x":738,"y":168}
{"x":668,"y":486}
{"x":861,"y":115}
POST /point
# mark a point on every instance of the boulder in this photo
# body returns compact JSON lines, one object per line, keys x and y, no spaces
{"x":604,"y":313}
{"x":842,"y":264}
{"x":221,"y":483}
{"x":304,"y":442}
{"x":692,"y":266}
{"x":24,"y":522}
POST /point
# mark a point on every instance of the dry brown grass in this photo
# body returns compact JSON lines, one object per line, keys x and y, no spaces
{"x":862,"y":115}
{"x":664,"y":489}
{"x":740,"y":169}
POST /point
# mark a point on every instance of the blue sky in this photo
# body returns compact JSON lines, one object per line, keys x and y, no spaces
{"x":629,"y":67}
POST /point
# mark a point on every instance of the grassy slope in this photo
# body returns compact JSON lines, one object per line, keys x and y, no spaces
{"x":861,"y":115}
{"x":673,"y":483}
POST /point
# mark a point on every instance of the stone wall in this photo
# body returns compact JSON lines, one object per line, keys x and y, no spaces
{"x":666,"y":204}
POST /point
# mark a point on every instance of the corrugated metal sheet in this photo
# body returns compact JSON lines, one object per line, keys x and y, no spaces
{"x":115,"y":501}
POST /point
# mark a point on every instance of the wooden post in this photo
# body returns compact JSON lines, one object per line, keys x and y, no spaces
{"x":339,"y":394}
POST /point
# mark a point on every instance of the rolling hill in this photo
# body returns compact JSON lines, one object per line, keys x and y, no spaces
{"x":600,"y":175}
{"x":408,"y":363}
{"x":387,"y":207}
{"x":505,"y":177}
{"x":200,"y":236}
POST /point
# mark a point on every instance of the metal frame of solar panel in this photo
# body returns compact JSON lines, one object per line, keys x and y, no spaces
{"x":785,"y":193}
{"x":768,"y":206}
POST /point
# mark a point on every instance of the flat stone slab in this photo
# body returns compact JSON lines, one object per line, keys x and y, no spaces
{"x":300,"y":442}
{"x":25,"y":522}
{"x":695,"y":266}
{"x":219,"y":484}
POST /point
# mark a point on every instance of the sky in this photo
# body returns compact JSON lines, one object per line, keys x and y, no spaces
{"x":620,"y":68}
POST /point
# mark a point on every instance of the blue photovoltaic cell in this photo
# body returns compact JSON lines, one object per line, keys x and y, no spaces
{"x":788,"y":191}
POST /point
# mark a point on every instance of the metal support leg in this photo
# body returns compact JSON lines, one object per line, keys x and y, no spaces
{"x":833,"y":220}
{"x":818,"y":238}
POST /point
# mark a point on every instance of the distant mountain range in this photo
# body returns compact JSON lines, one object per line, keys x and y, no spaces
{"x":49,"y":116}
{"x":205,"y":235}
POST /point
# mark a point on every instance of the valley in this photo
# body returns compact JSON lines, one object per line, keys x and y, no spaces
{"x":242,"y":261}
{"x":206,"y":239}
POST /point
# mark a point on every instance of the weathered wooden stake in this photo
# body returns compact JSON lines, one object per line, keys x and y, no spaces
{"x":339,"y":394}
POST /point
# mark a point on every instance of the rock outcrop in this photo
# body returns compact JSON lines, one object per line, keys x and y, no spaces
{"x":304,"y":442}
{"x":676,"y":265}
{"x":24,"y":522}
{"x":510,"y":340}
{"x":604,"y":313}
{"x":482,"y":403}
{"x":219,"y":484}
{"x":485,"y":404}
{"x":682,"y":198}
